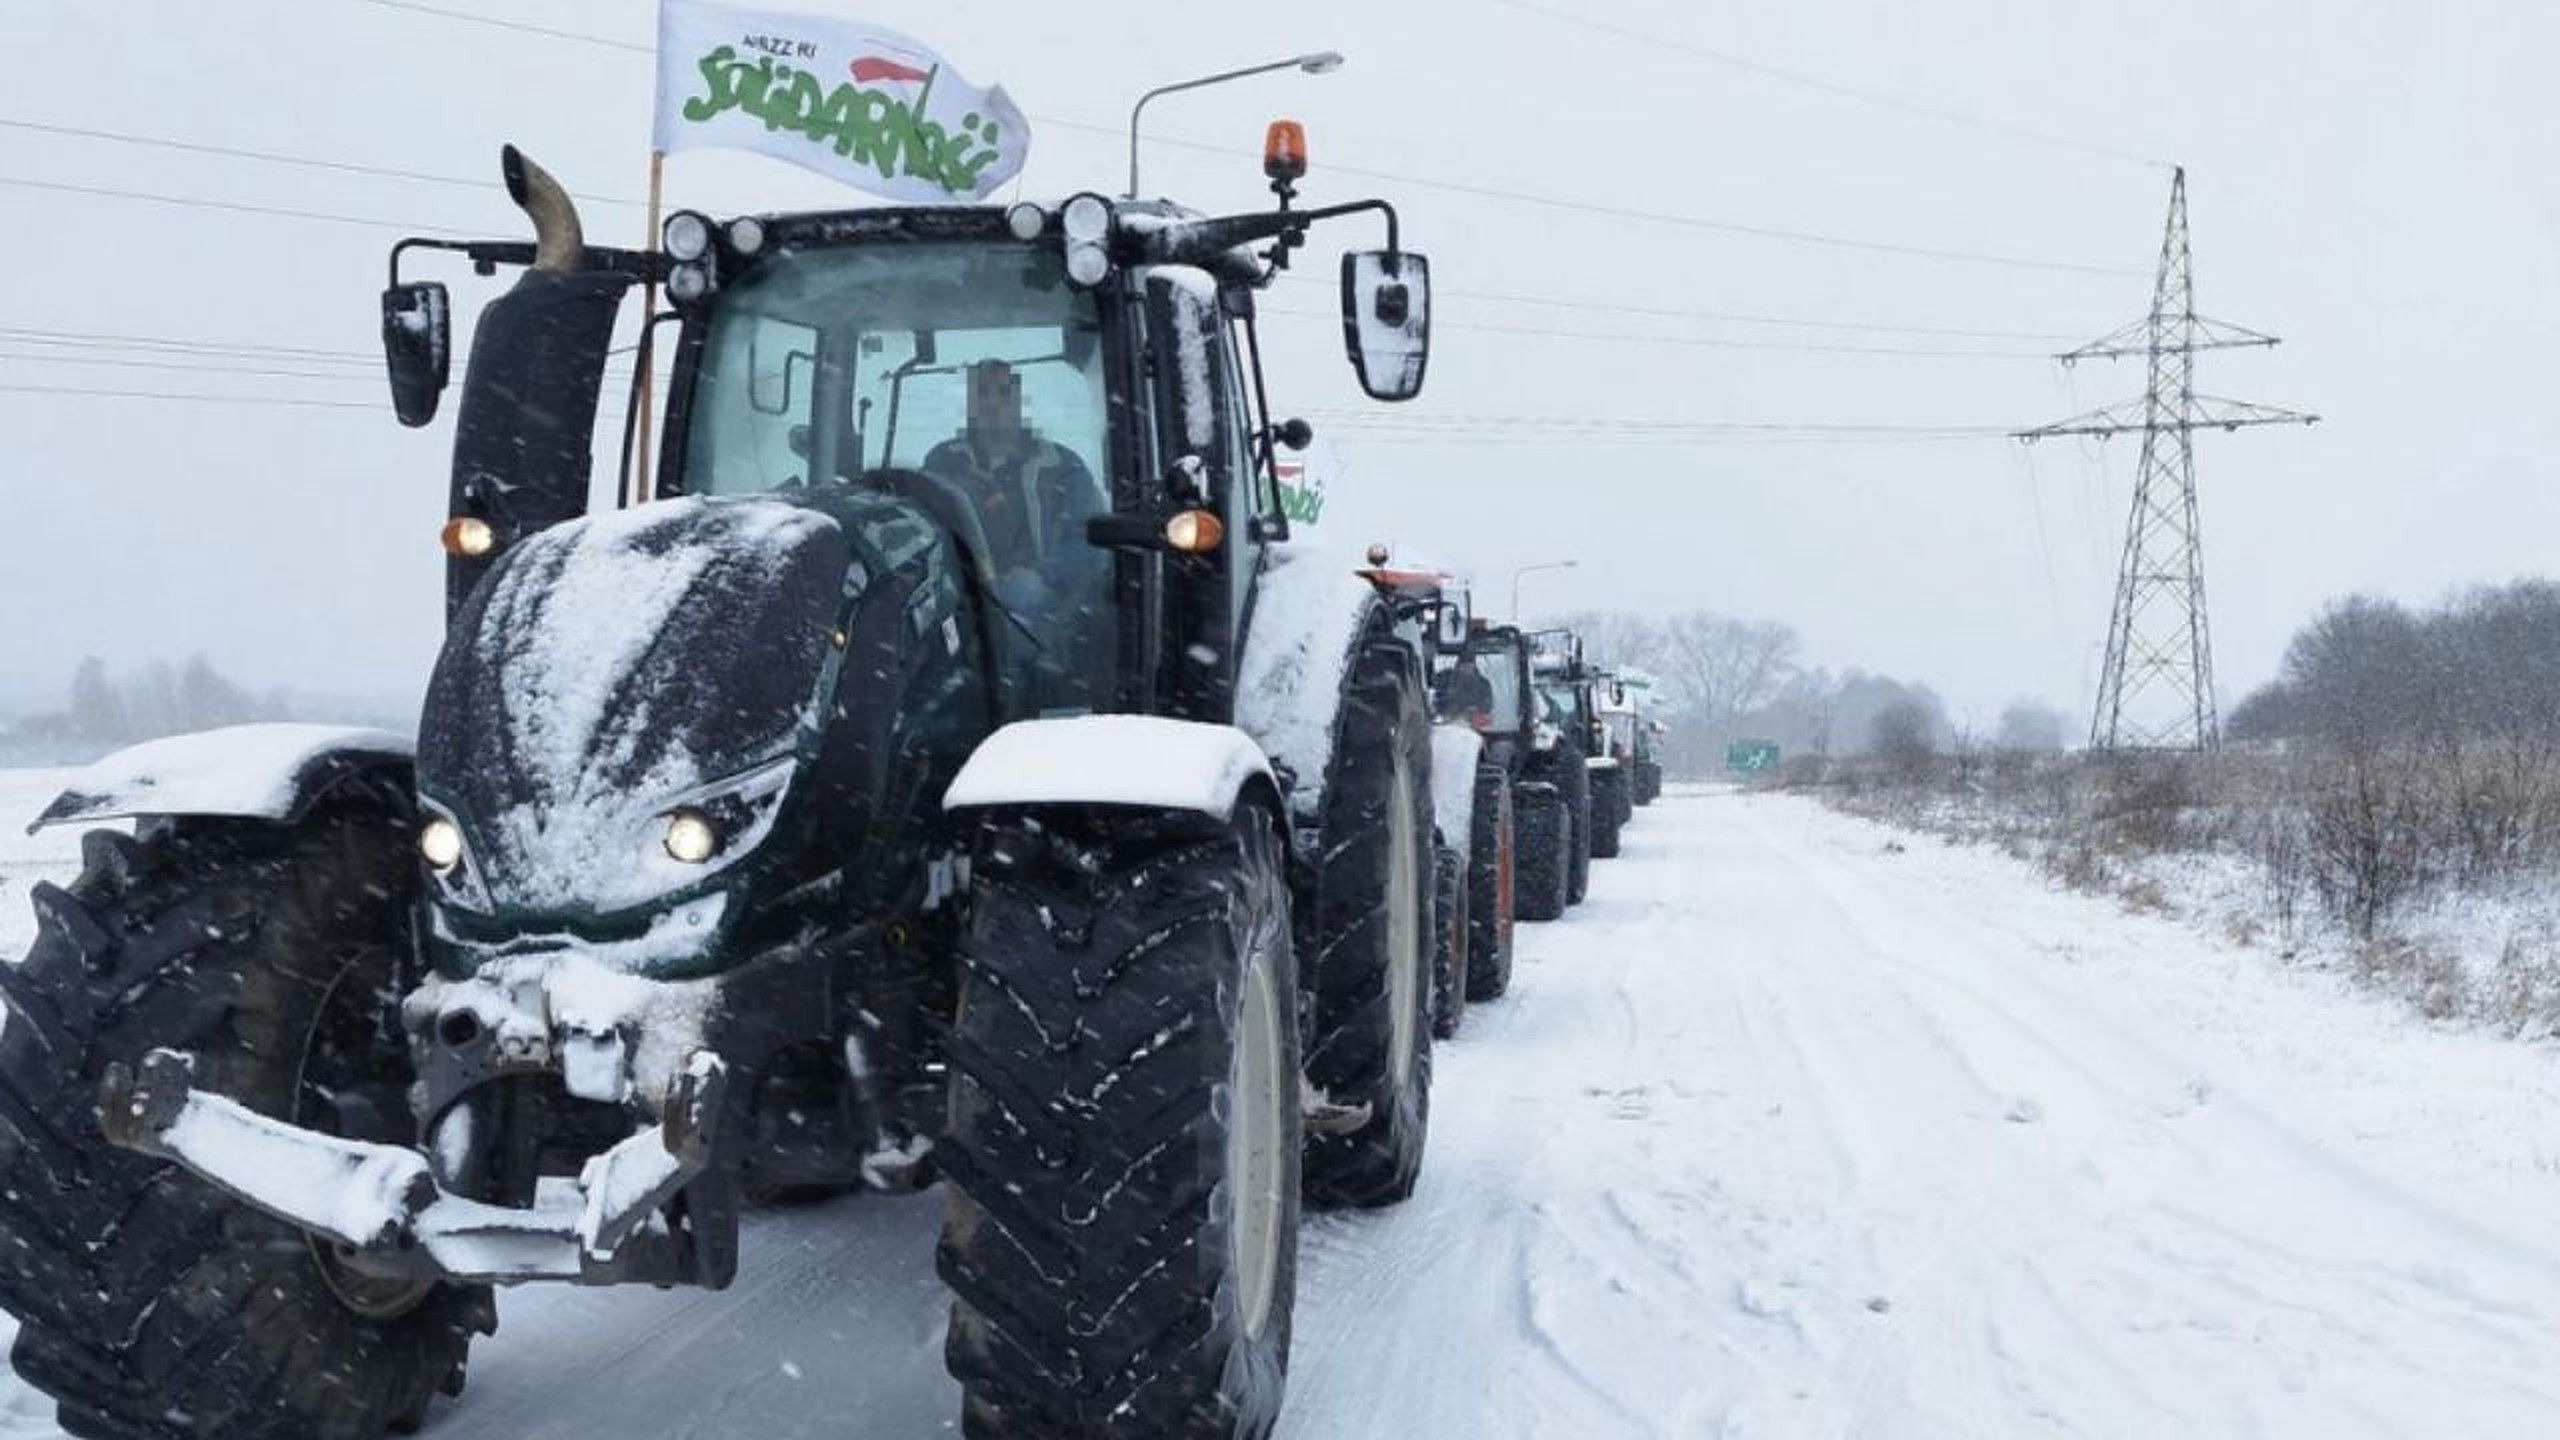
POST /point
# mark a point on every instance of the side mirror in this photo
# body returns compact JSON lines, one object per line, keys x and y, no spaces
{"x":1453,"y":625}
{"x":417,"y":348}
{"x":1386,"y":320}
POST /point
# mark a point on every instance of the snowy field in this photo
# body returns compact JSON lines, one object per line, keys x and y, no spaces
{"x":1800,"y":1127}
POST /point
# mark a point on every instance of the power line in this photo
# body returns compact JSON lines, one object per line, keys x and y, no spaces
{"x":237,"y":207}
{"x":201,"y":365}
{"x":1832,"y":87}
{"x":1465,"y":423}
{"x":438,"y":10}
{"x":191,"y":397}
{"x":274,"y":157}
{"x":1731,"y":317}
{"x":24,"y":335}
{"x":1443,"y":429}
{"x":1711,"y":342}
{"x":1615,"y":212}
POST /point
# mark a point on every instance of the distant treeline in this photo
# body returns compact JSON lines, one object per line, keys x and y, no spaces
{"x":2368,"y":674}
{"x":1722,"y":679}
{"x":103,"y":709}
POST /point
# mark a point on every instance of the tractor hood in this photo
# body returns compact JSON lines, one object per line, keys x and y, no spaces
{"x":610,"y":669}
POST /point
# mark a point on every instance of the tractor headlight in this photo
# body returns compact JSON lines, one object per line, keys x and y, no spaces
{"x":452,"y":874}
{"x":746,"y":235}
{"x":691,"y":836}
{"x":1085,"y":221}
{"x":1026,"y":221}
{"x":440,"y":842}
{"x":686,"y":237}
{"x":688,"y":283}
{"x":712,"y":826}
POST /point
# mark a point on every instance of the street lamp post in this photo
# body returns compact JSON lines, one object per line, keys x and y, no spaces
{"x":1317,"y":62}
{"x":1526,"y":569}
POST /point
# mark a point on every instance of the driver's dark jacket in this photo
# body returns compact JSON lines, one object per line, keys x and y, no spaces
{"x":1034,"y":503}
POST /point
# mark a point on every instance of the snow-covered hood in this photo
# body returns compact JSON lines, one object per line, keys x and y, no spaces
{"x":612,"y":666}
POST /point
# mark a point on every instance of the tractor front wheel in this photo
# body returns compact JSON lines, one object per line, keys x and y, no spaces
{"x":150,"y":1305}
{"x":1122,"y":1234}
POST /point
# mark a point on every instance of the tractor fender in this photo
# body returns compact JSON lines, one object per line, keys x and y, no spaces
{"x":260,"y":772}
{"x":1312,"y":614}
{"x":1146,"y":761}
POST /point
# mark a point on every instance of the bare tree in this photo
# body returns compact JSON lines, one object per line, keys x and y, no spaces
{"x":2028,"y":727}
{"x":1901,"y":735}
{"x":1719,"y":667}
{"x":1619,"y":637}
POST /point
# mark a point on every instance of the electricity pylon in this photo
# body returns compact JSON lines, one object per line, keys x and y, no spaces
{"x":2158,"y":638}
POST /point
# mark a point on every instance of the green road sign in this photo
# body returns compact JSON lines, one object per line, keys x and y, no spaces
{"x":1751,"y":757}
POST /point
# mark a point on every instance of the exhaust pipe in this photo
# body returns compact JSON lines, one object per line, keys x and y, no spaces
{"x":558,"y":242}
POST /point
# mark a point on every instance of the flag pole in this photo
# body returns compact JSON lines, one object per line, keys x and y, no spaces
{"x":638,"y":490}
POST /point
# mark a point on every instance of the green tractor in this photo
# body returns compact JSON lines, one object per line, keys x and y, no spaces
{"x":950,"y":770}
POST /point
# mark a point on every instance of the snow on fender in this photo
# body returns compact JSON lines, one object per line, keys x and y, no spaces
{"x":1142,"y":760}
{"x":262,"y":772}
{"x":1455,"y":749}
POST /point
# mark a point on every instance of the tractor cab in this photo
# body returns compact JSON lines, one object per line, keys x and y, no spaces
{"x":1502,"y":708}
{"x":1071,"y":394}
{"x":1564,"y":685}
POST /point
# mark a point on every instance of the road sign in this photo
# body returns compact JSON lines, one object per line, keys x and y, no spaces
{"x":1751,"y":757}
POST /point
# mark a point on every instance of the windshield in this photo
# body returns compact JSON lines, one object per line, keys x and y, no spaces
{"x":963,"y":376}
{"x":1502,"y":671}
{"x":1559,"y":698}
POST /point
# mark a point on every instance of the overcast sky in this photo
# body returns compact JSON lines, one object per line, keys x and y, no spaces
{"x":2373,"y":181}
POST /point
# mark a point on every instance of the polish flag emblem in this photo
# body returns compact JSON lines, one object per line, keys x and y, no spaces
{"x":870,"y":68}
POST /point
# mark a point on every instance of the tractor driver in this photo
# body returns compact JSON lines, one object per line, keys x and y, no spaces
{"x":1033,"y":495}
{"x":1465,"y":693}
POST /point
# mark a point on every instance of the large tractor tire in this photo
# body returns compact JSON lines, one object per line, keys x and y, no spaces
{"x":1451,"y":924}
{"x":1367,"y":945}
{"x":1122,"y":1234}
{"x":1543,"y":842}
{"x":151,"y":1306}
{"x":1575,"y":778}
{"x":1492,"y":877}
{"x":1608,"y":811}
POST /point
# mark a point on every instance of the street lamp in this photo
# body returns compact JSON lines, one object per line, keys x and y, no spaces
{"x":1321,"y":62}
{"x":1526,"y":569}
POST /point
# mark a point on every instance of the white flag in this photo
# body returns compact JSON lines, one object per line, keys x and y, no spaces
{"x":864,"y":105}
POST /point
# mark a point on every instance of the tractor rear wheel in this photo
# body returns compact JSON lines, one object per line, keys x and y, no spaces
{"x":1543,"y":840}
{"x":151,"y":1306}
{"x":1122,"y":1234}
{"x":1367,"y":946}
{"x":1492,"y":875}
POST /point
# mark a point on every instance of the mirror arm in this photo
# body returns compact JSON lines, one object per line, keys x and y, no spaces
{"x":487,"y":255}
{"x":1355,"y":207}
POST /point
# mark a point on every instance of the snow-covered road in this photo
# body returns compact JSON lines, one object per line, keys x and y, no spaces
{"x":1799,"y":1127}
